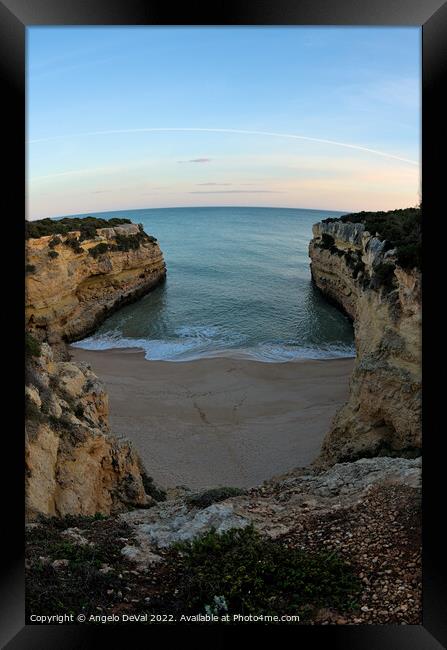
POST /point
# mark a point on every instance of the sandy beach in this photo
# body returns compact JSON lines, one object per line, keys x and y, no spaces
{"x":220,"y":421}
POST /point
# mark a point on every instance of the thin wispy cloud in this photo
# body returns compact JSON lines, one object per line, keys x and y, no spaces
{"x":217,"y":184}
{"x":236,"y":192}
{"x":196,"y":160}
{"x":274,"y":134}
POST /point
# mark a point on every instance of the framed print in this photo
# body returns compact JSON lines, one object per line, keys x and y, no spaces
{"x":232,"y":423}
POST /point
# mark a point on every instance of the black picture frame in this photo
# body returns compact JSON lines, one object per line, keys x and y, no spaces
{"x":431,"y":15}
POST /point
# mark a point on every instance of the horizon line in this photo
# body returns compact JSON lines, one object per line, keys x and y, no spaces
{"x":205,"y":207}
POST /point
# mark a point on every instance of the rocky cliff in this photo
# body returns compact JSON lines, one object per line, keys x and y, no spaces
{"x":361,"y":274}
{"x":73,"y":464}
{"x":73,"y":284}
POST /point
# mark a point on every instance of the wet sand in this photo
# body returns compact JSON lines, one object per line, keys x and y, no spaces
{"x":220,"y":421}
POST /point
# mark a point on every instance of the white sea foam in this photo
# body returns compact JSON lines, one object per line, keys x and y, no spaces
{"x":200,"y":342}
{"x":156,"y":350}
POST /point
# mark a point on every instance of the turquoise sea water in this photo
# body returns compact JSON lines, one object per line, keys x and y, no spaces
{"x":238,"y":284}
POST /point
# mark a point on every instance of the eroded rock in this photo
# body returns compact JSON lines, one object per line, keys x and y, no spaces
{"x":71,"y":294}
{"x":274,"y":509}
{"x":383,"y":412}
{"x":175,"y":522}
{"x":73,"y":464}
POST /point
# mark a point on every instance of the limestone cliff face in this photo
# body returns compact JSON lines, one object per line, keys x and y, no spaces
{"x":69,"y":290}
{"x":382,"y":415}
{"x":73,"y":464}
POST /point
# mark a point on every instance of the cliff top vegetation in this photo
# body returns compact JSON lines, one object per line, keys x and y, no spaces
{"x":401,"y":229}
{"x":87,"y":226}
{"x":235,"y":572}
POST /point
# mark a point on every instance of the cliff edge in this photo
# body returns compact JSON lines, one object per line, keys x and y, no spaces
{"x":376,"y":281}
{"x":74,"y":466}
{"x":77,"y":273}
{"x":75,"y":279}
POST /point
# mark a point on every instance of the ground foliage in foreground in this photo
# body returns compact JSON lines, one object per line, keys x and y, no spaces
{"x":252,"y":574}
{"x":236,"y":572}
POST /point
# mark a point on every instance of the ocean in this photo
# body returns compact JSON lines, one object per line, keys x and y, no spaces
{"x":238,"y":285}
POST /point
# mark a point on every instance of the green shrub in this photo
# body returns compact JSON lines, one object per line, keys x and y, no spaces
{"x":383,"y":276}
{"x":327,"y":241}
{"x":256,"y":575}
{"x":205,"y":499}
{"x":129,"y":242}
{"x":99,"y":249}
{"x":32,"y":346}
{"x":409,"y":255}
{"x":53,"y":254}
{"x":151,"y":489}
{"x":116,"y":221}
{"x":73,"y":243}
{"x":54,"y":242}
{"x":400,"y":229}
{"x":76,"y":554}
{"x":88,"y":231}
{"x":87,"y":226}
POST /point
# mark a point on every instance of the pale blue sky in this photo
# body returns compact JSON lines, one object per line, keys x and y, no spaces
{"x":358,"y":86}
